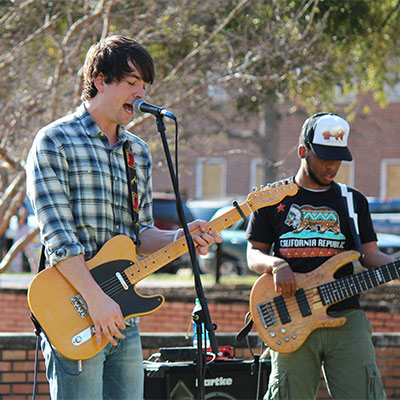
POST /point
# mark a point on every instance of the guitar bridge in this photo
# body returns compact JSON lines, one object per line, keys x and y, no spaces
{"x":80,"y":305}
{"x":267,"y":314}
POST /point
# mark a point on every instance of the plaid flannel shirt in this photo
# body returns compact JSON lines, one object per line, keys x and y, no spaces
{"x":78,"y":186}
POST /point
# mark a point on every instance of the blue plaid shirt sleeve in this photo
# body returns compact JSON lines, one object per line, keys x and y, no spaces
{"x":48,"y":189}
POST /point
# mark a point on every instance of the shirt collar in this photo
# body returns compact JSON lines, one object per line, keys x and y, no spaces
{"x":91,"y":127}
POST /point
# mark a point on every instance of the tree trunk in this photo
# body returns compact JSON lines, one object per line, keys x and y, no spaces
{"x":269,"y":138}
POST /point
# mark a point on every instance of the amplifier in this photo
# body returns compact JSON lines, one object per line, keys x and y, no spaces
{"x":227,"y":379}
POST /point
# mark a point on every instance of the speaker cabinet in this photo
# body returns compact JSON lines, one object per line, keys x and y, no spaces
{"x":230,"y":380}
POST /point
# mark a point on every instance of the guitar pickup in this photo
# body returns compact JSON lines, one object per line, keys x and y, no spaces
{"x":282,"y":309}
{"x":303,"y":303}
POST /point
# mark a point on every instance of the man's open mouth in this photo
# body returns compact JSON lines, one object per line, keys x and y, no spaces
{"x":128,"y":108}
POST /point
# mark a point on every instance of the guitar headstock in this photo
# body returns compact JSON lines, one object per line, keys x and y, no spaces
{"x":271,"y":194}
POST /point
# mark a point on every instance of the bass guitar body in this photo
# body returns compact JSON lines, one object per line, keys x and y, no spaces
{"x":284,"y":323}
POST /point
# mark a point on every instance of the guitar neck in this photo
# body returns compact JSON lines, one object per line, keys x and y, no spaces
{"x":351,"y":285}
{"x":146,"y":266}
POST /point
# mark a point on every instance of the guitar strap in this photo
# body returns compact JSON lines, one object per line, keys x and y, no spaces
{"x":353,"y":217}
{"x":133,"y":192}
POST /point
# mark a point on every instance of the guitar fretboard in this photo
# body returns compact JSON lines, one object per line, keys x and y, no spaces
{"x":351,"y":285}
{"x":272,"y":194}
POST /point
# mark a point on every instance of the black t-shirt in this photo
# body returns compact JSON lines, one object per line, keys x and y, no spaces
{"x":310,"y":227}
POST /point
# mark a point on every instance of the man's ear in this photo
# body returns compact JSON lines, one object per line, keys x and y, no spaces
{"x":302,"y":151}
{"x":99,"y":82}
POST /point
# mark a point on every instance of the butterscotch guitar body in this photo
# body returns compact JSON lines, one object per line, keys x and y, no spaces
{"x":62,"y":312}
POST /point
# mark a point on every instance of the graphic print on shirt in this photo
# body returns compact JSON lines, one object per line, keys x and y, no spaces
{"x":316,"y":232}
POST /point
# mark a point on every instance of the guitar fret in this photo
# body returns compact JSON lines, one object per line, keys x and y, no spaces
{"x":356,"y":284}
{"x":331,"y":292}
{"x":368,"y":282}
{"x":322,"y":292}
{"x":344,"y":289}
{"x":386,"y":273}
{"x":374,"y":278}
{"x":389,"y":272}
{"x":395,"y":270}
{"x":364,"y":283}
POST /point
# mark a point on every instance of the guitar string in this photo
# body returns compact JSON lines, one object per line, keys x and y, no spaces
{"x":350,"y":283}
{"x":111,"y":285}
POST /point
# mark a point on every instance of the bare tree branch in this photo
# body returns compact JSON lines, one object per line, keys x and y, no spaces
{"x":17,"y":247}
{"x":209,"y":39}
{"x":9,"y":57}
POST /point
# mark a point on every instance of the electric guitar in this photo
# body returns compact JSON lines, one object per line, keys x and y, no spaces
{"x":284,"y":323}
{"x":62,"y":311}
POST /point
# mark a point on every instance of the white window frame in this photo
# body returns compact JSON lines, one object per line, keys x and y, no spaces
{"x":385,"y":162}
{"x":352,"y":171}
{"x":199,"y":174}
{"x":254,"y":163}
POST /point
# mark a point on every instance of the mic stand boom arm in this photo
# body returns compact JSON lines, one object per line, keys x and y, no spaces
{"x":203,"y":318}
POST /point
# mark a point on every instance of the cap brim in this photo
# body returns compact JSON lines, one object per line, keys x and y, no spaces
{"x":332,"y":153}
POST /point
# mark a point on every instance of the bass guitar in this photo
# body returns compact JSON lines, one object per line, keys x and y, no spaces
{"x":63,"y":313}
{"x":284,"y":323}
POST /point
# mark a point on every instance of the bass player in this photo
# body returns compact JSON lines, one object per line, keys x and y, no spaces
{"x":303,"y":231}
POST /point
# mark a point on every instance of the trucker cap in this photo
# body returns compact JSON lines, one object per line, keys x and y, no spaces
{"x":327,"y":135}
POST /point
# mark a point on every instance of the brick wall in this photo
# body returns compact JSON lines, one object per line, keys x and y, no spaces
{"x":227,"y":308}
{"x":174,"y":316}
{"x":17,"y":361}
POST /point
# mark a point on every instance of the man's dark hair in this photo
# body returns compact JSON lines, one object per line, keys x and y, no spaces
{"x":111,"y":57}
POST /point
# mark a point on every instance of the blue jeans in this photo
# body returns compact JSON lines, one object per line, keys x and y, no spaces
{"x":114,"y":373}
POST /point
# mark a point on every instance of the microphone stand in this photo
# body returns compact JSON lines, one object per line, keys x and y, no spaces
{"x":202,"y":317}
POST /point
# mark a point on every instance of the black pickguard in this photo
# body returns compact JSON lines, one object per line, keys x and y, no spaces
{"x":130,"y":301}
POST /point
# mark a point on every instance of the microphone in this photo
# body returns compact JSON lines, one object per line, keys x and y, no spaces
{"x":140,"y":105}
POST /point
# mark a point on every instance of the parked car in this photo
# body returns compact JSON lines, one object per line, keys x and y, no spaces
{"x":389,"y":243}
{"x":206,"y":208}
{"x":230,"y":255}
{"x":384,"y":205}
{"x":166,"y":217}
{"x":386,"y":222}
{"x":164,"y":211}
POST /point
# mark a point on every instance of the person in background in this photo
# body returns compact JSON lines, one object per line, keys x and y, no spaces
{"x":25,"y":260}
{"x":297,"y":236}
{"x":77,"y":183}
